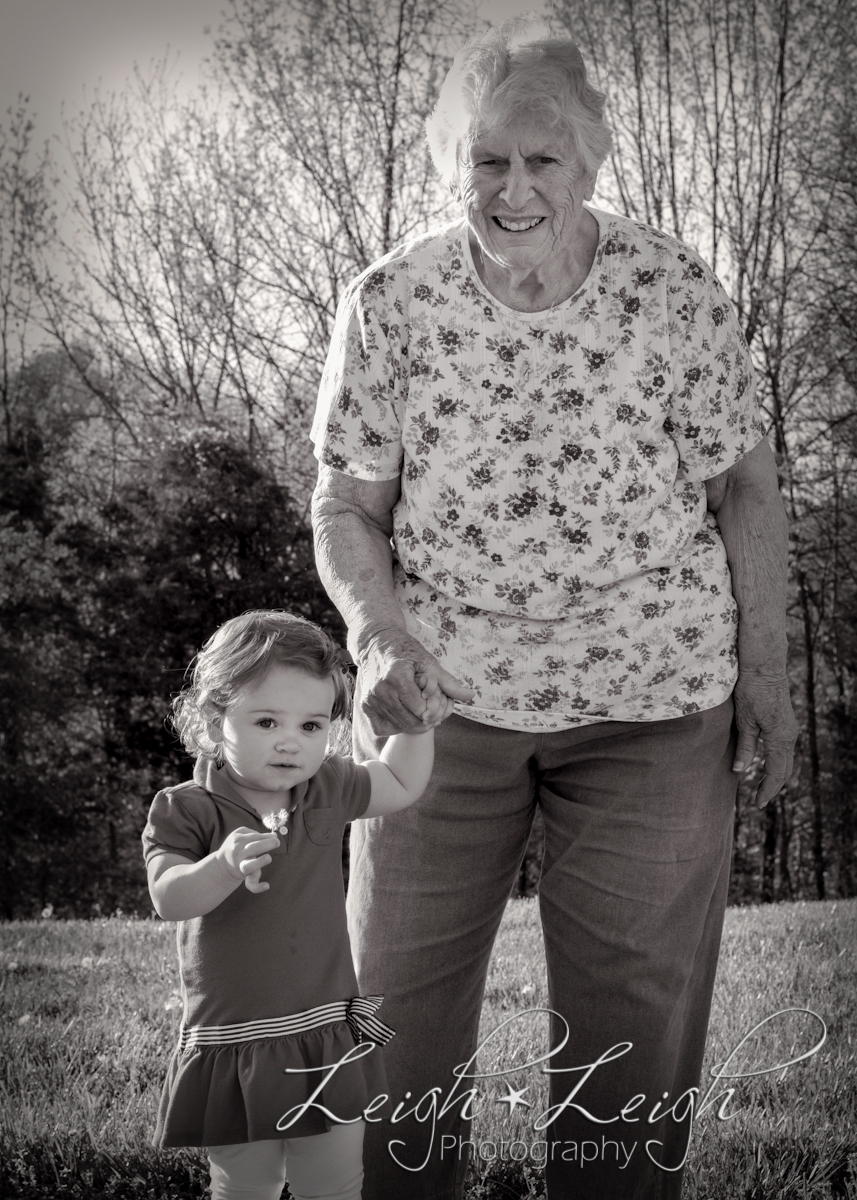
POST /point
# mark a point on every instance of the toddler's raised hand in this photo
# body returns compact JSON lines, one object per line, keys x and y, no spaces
{"x":245,"y":853}
{"x":438,"y":706}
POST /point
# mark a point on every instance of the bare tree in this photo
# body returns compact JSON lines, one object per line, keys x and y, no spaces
{"x":334,"y":96}
{"x":213,"y":237}
{"x":27,"y":227}
{"x":725,"y":117}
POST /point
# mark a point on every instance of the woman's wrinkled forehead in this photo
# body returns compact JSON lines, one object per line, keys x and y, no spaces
{"x":540,"y":123}
{"x":510,"y":108}
{"x":491,"y":85}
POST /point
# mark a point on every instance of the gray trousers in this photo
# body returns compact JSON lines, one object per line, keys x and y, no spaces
{"x":638,"y":826}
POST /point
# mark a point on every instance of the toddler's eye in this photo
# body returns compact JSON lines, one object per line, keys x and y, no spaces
{"x":265,"y":722}
{"x":310,"y":726}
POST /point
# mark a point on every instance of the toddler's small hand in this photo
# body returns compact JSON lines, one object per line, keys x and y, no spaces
{"x":245,"y":852}
{"x":253,"y":882}
{"x":438,"y":706}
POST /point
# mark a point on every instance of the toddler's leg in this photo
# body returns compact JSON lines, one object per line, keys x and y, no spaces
{"x":328,"y":1166}
{"x":248,"y":1171}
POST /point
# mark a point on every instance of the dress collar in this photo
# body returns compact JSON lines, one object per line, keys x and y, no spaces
{"x":215,"y":780}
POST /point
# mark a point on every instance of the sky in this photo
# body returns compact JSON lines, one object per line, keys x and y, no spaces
{"x":58,"y":51}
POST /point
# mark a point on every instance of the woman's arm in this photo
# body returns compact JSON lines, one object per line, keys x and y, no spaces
{"x":749,"y":511}
{"x":182,"y":889}
{"x":402,"y":773}
{"x":352,"y":521}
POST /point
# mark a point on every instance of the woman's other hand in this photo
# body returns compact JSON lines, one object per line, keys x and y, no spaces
{"x":763,"y":711}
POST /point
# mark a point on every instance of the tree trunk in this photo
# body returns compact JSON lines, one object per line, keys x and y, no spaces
{"x":769,"y":855}
{"x":812,"y":738}
{"x":786,"y":889}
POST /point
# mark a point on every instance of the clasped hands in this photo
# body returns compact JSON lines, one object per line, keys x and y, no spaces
{"x":404,"y":688}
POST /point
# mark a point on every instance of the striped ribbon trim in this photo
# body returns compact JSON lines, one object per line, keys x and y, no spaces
{"x":363,"y":1023}
{"x":359,"y":1013}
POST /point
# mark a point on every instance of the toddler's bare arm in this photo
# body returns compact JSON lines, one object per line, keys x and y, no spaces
{"x":182,"y":889}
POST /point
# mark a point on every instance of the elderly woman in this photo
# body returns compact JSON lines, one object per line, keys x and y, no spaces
{"x":545,"y":498}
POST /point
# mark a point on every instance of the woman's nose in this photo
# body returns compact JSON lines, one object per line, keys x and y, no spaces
{"x":517,"y":186}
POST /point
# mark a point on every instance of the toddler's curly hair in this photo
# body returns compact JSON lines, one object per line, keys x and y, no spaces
{"x":241,"y":652}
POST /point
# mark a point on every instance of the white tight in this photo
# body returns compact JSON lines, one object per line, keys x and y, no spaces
{"x":326,"y":1166}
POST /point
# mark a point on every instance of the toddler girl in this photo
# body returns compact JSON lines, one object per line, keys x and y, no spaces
{"x":247,"y":859}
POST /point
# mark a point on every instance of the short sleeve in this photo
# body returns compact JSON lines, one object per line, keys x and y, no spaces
{"x":178,"y":824}
{"x":713,"y":419}
{"x":353,"y":784}
{"x":357,"y":426}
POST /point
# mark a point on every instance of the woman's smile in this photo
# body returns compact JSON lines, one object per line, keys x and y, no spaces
{"x":519,"y":225}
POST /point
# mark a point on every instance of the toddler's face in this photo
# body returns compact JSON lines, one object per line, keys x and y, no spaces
{"x":275,"y":736}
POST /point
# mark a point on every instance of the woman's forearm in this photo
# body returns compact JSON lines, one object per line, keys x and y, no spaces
{"x":752,"y":522}
{"x":353,"y":521}
{"x":352,"y":524}
{"x":749,"y":512}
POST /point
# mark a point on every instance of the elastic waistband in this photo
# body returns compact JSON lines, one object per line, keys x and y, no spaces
{"x":359,"y":1013}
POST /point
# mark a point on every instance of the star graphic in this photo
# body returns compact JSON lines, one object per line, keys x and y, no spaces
{"x":513,"y":1098}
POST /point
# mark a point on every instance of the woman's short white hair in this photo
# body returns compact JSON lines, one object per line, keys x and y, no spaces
{"x":517,"y":68}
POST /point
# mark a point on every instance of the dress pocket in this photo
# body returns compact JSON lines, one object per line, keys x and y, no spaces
{"x":323,"y":827}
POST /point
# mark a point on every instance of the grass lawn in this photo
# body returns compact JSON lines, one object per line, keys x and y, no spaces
{"x":791,"y":1132}
{"x":90,"y":1011}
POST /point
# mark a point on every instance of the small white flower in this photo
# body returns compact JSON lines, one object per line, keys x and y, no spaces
{"x":11,"y":966}
{"x":23,"y":1020}
{"x":47,"y":912}
{"x":174,"y":1001}
{"x":86,"y":962}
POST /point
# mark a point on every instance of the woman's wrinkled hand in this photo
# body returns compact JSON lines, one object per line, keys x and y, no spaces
{"x":244,"y":853}
{"x":763,"y":711}
{"x":404,"y":687}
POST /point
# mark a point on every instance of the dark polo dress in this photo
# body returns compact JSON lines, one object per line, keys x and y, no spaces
{"x":265,"y":977}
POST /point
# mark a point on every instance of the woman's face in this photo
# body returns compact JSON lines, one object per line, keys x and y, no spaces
{"x":523,"y":188}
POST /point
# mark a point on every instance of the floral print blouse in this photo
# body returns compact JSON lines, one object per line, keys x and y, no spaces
{"x":552,"y":544}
